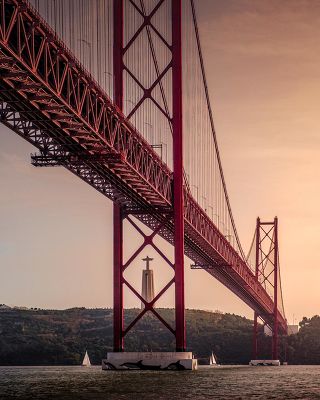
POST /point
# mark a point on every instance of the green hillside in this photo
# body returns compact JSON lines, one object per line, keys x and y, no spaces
{"x":304,"y":347}
{"x":40,"y":337}
{"x":60,"y":337}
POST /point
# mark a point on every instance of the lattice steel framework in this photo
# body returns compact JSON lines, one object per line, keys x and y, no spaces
{"x":267,"y":273}
{"x":177,"y":215}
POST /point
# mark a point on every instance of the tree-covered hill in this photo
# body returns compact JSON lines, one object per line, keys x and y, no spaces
{"x":61,"y":337}
{"x":304,"y":347}
{"x":47,"y":337}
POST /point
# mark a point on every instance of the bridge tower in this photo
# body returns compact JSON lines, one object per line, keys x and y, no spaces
{"x":176,"y":215}
{"x":267,"y":273}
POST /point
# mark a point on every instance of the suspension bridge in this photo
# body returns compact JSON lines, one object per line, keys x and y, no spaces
{"x":116,"y":92}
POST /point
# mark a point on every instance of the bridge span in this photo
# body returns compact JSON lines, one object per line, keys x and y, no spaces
{"x":51,"y":100}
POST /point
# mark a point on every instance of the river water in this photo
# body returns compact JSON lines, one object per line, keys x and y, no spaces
{"x":227,"y":382}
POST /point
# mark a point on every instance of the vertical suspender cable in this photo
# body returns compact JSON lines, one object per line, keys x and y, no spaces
{"x":213,"y":128}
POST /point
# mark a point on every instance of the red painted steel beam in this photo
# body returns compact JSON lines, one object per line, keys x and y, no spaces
{"x":118,"y":53}
{"x":118,"y":316}
{"x":118,"y":321}
{"x":255,"y":337}
{"x":275,"y":352}
{"x":178,"y":193}
{"x":255,"y":320}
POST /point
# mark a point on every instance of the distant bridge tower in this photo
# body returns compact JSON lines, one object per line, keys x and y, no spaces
{"x":147,"y":282}
{"x":267,"y":273}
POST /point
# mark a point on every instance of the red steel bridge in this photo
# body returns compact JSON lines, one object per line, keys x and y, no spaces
{"x":116,"y":92}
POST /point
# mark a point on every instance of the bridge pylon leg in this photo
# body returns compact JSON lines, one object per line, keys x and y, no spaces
{"x":275,"y":345}
{"x":255,"y":321}
{"x":255,"y":337}
{"x":118,"y":322}
{"x":178,"y":201}
{"x":117,"y":279}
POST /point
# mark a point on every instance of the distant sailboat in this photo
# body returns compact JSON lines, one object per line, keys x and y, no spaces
{"x":213,"y":360}
{"x":86,"y":360}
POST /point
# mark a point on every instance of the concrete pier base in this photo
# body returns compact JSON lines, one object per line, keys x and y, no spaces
{"x":177,"y":361}
{"x":270,"y":363}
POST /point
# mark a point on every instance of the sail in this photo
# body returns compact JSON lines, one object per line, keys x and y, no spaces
{"x":213,"y":360}
{"x":86,"y":360}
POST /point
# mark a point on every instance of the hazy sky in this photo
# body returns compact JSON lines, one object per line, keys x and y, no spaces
{"x":263,"y":67}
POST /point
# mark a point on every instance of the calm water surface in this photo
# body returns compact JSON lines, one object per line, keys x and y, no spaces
{"x":291,"y":382}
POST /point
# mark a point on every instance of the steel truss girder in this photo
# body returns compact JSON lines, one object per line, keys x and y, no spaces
{"x":76,"y":102}
{"x":76,"y":116}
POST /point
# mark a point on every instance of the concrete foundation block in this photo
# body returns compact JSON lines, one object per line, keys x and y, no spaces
{"x":270,"y":363}
{"x":176,"y":361}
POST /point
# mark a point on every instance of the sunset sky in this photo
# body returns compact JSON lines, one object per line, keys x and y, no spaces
{"x":263,"y":68}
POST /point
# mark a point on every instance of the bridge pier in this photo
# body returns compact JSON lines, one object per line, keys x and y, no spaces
{"x":174,"y":361}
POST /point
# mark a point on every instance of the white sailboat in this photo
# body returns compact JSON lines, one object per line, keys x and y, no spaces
{"x":86,"y":360}
{"x":213,"y":361}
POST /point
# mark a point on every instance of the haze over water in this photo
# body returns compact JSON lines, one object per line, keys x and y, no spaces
{"x":225,"y":382}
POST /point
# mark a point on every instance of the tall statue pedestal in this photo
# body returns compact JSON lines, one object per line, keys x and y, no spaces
{"x":176,"y":361}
